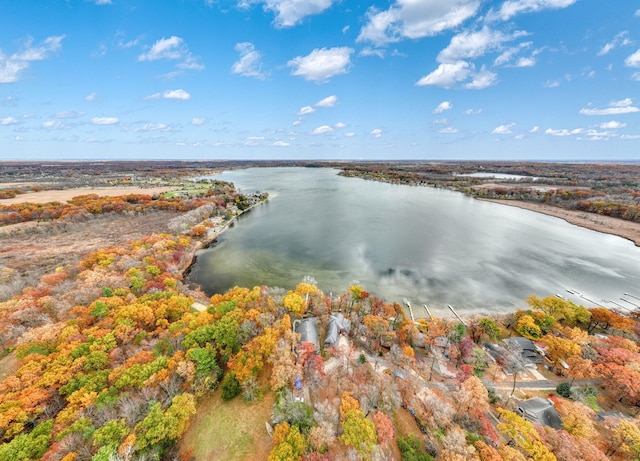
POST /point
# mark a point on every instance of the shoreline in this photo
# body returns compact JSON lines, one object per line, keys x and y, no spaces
{"x":605,"y":224}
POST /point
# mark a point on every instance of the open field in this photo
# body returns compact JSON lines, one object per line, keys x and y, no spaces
{"x":46,"y":196}
{"x":233,"y":431}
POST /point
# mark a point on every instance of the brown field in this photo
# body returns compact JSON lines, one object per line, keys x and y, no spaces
{"x":30,"y":250}
{"x":46,"y":196}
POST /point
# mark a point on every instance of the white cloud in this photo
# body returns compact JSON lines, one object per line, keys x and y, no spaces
{"x":91,"y":97}
{"x":444,"y":105}
{"x":198,"y":121}
{"x":281,"y":144}
{"x":306,"y":110}
{"x":503,"y":129}
{"x":633,"y":60}
{"x":12,"y":66}
{"x":620,"y":39}
{"x":564,"y":132}
{"x":376,"y":132}
{"x":473,"y":111}
{"x":104,"y":120}
{"x":512,"y":8}
{"x":340,"y":125}
{"x":249,"y":62}
{"x":154,"y":127}
{"x":329,"y":101}
{"x":53,"y":125}
{"x":623,"y":106}
{"x":415,"y":19}
{"x":8,"y":121}
{"x":297,"y":122}
{"x":448,"y":130}
{"x":178,"y":94}
{"x":350,"y":134}
{"x":103,"y":2}
{"x":526,"y":62}
{"x":322,"y":64}
{"x":367,"y":51}
{"x":535,"y":129}
{"x":482,"y":79}
{"x":291,"y":12}
{"x":322,"y":130}
{"x":172,"y":48}
{"x":552,"y":84}
{"x":612,"y":125}
{"x":165,"y":48}
{"x":471,"y":45}
{"x":447,"y":75}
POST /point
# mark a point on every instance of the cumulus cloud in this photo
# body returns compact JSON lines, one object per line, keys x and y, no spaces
{"x":447,"y":75}
{"x":444,"y":105}
{"x":633,"y":60}
{"x":411,"y":19}
{"x":376,"y":132}
{"x":503,"y":129}
{"x":623,"y":106}
{"x":448,"y":130}
{"x":249,"y":63}
{"x":165,"y":48}
{"x":322,"y":130}
{"x":473,"y":111}
{"x":340,"y":125}
{"x":290,"y":12}
{"x":12,"y":66}
{"x":526,"y":62}
{"x":104,"y":120}
{"x":91,"y":97}
{"x":8,"y":121}
{"x":535,"y":129}
{"x":563,"y":132}
{"x":306,"y":110}
{"x":482,"y":79}
{"x":198,"y":121}
{"x":322,"y":64}
{"x":612,"y":125}
{"x":471,"y":45}
{"x":329,"y":101}
{"x":281,"y":144}
{"x":512,"y":8}
{"x":172,"y":48}
{"x":69,"y":114}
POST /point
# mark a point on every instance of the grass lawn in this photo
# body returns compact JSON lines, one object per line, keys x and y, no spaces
{"x":231,"y":431}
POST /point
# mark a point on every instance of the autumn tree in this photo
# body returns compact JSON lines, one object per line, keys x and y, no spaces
{"x":522,"y":433}
{"x":359,"y":432}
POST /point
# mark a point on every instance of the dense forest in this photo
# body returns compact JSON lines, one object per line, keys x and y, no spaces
{"x":112,"y":356}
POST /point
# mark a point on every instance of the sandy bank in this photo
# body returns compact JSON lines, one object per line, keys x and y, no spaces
{"x":605,"y":224}
{"x":67,"y":194}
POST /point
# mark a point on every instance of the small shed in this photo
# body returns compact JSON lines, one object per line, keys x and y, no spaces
{"x":541,"y":411}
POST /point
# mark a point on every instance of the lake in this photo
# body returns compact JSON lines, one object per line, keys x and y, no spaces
{"x":431,"y":246}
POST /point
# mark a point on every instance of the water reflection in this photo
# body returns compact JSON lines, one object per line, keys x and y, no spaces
{"x":431,"y":246}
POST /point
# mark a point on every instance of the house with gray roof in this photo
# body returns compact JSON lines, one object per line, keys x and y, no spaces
{"x":541,"y":411}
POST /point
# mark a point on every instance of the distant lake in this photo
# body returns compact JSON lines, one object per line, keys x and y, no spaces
{"x":498,"y":176}
{"x":429,"y":245}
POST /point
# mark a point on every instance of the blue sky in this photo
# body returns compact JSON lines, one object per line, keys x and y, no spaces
{"x":320,"y":79}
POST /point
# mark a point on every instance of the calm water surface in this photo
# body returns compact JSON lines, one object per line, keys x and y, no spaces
{"x":428,"y":245}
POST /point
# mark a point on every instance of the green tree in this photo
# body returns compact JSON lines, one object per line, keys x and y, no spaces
{"x":359,"y":432}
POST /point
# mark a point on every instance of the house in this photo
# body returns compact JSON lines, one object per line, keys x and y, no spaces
{"x":337,"y":325}
{"x":529,"y":352}
{"x":541,"y":411}
{"x":308,"y":330}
